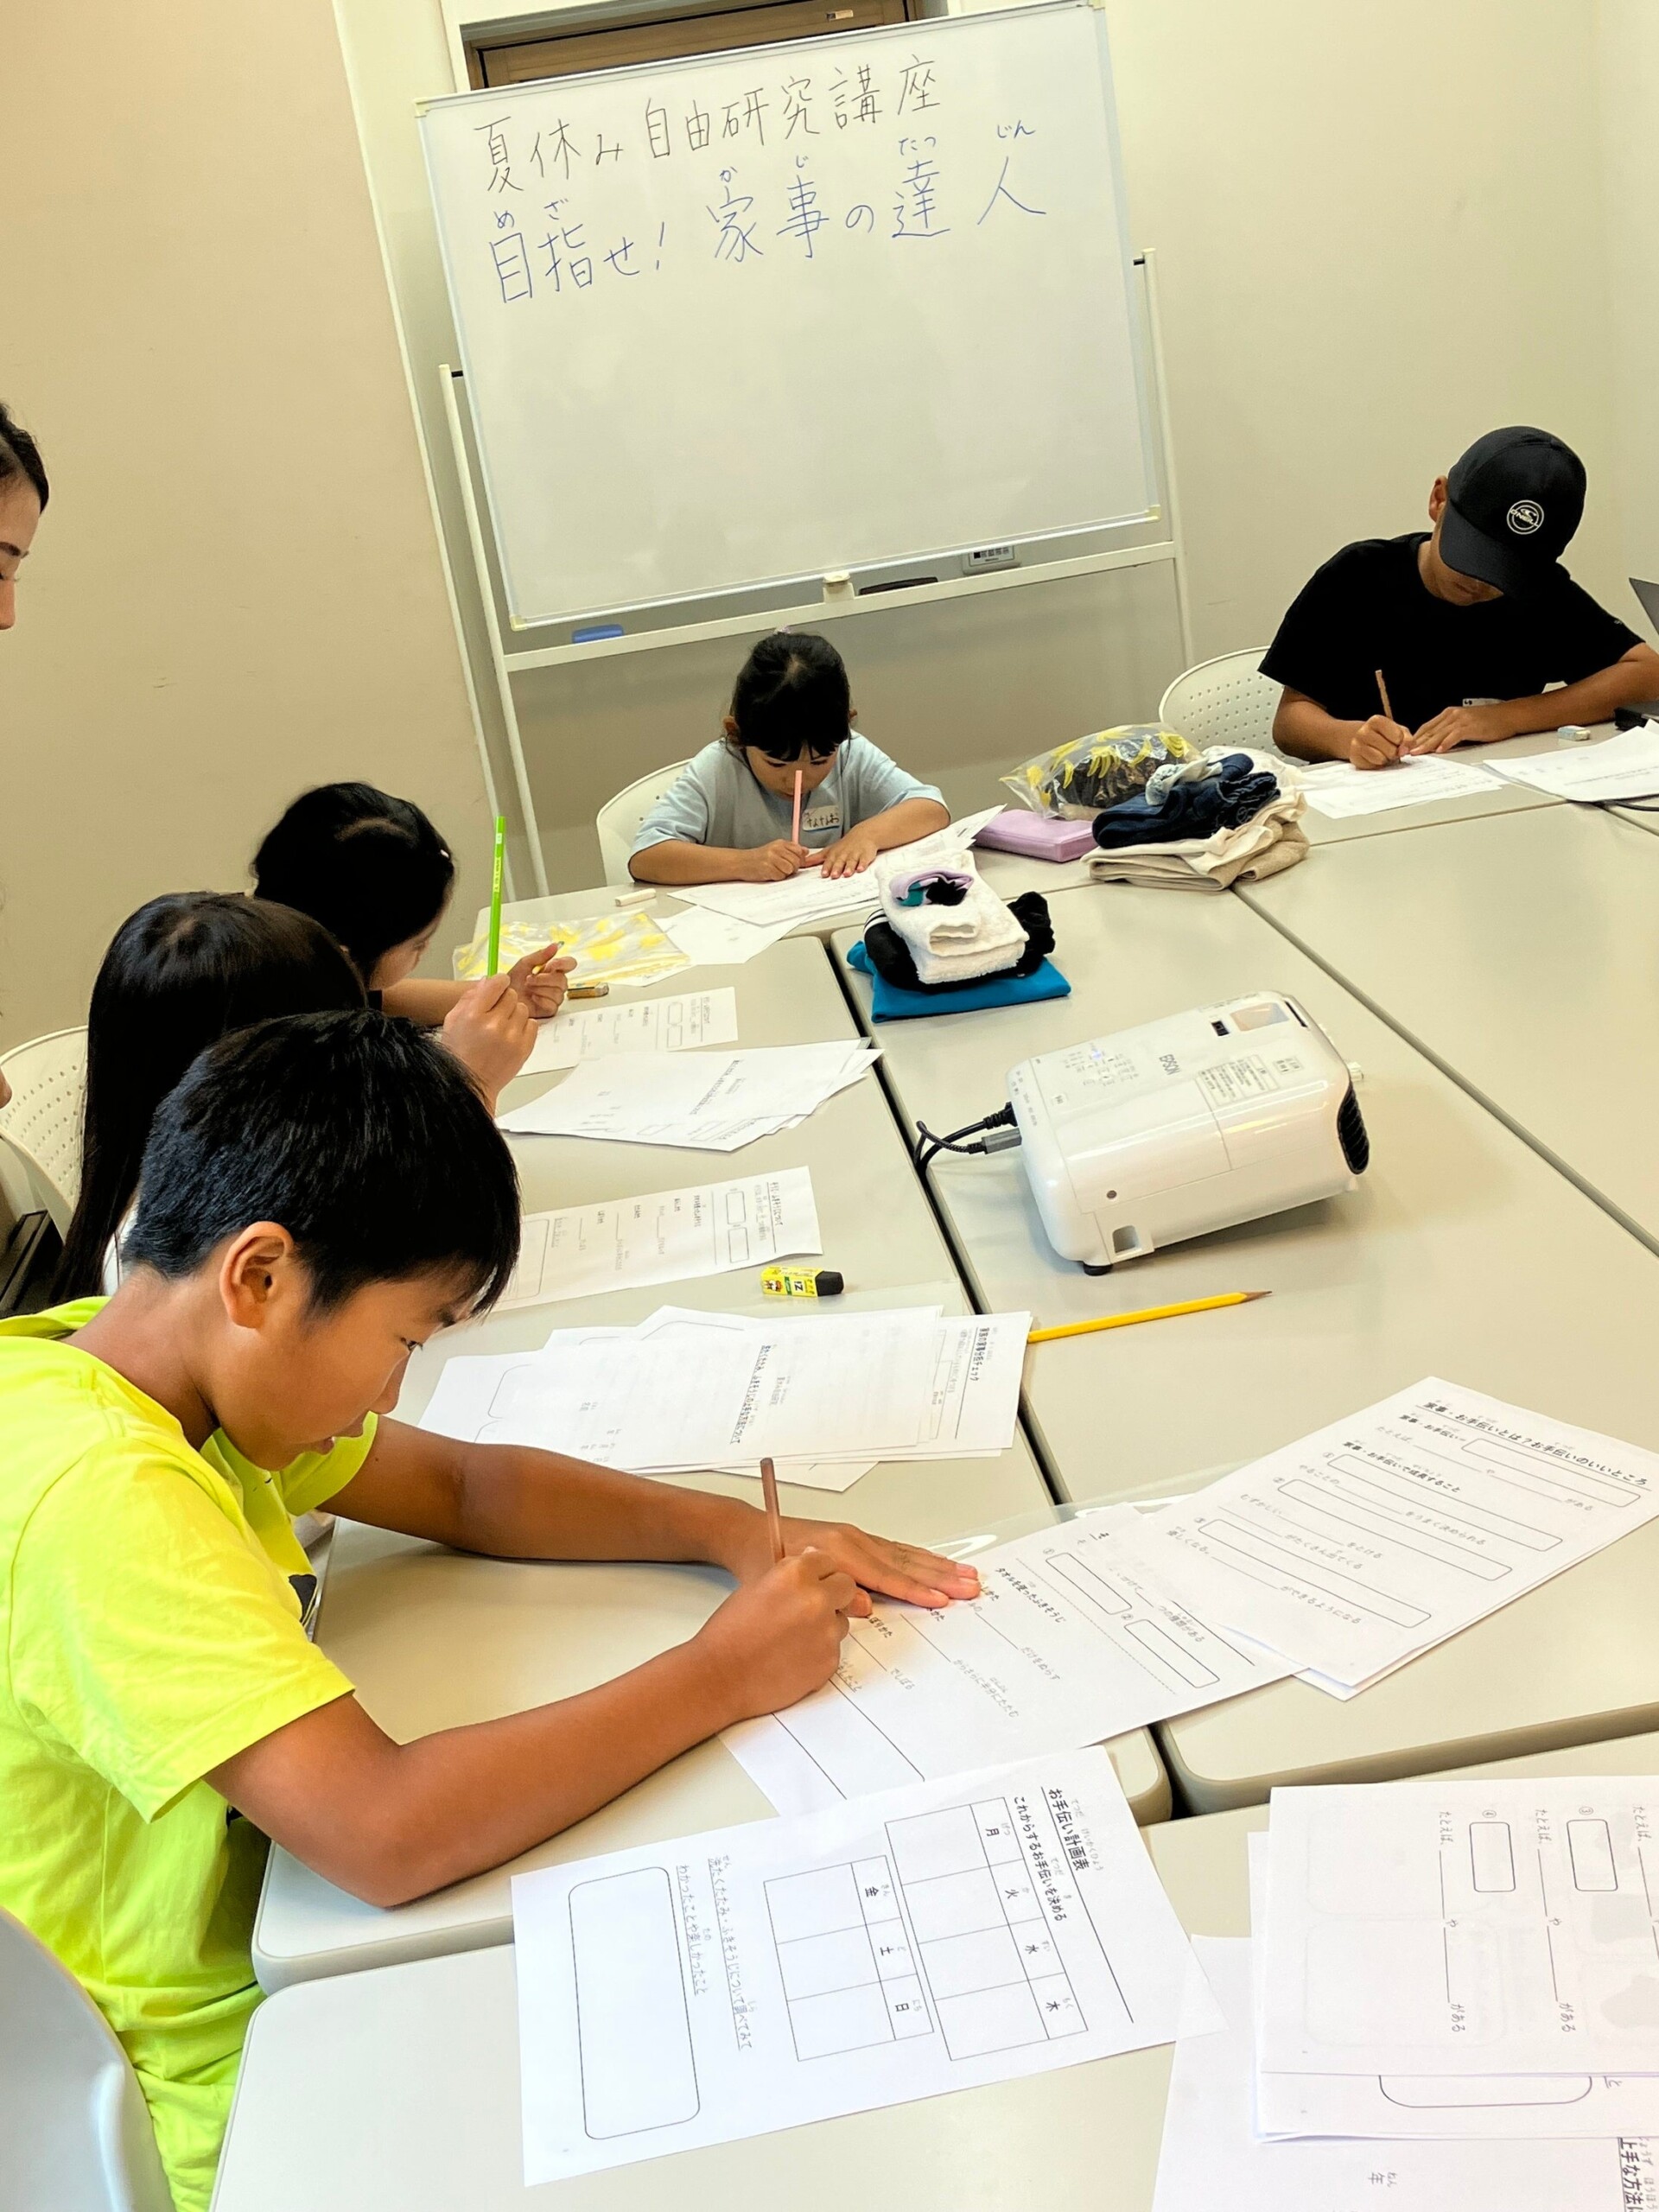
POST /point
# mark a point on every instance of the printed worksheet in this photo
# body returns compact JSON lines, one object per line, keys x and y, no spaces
{"x":1390,"y":1531}
{"x":757,"y":1978}
{"x":1463,"y":1927}
{"x":1071,"y":1642}
{"x":1500,"y":2106}
{"x":1210,"y":2157}
{"x":711,"y":1102}
{"x":1625,"y":766}
{"x":688,"y":1391}
{"x":686,"y":1022}
{"x":1338,"y":789}
{"x":665,"y":1237}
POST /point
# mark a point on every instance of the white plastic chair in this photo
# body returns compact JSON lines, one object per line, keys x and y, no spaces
{"x":74,"y":2131}
{"x":41,"y":1126}
{"x":1226,"y":701}
{"x":618,"y":821}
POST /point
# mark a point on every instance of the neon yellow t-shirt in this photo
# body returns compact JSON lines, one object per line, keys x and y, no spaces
{"x":150,"y":1630}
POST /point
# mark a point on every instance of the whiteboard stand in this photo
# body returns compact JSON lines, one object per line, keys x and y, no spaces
{"x":504,"y":665}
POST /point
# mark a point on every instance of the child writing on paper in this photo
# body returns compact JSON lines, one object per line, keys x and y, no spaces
{"x":319,"y":1196}
{"x":182,"y":972}
{"x":376,"y":874}
{"x":730,"y":817}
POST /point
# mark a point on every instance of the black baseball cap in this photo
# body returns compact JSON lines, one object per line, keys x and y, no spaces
{"x":1513,"y":501}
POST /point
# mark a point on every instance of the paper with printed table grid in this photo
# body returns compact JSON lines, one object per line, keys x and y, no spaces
{"x":757,"y":1978}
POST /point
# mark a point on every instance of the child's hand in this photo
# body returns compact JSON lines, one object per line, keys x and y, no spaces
{"x":851,"y":854}
{"x":490,"y":1032}
{"x":1378,"y":743}
{"x":920,"y":1578}
{"x":773,"y":863}
{"x":540,"y":982}
{"x":778,"y":1639}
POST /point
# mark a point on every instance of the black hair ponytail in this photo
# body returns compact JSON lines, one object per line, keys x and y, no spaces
{"x":370,"y":868}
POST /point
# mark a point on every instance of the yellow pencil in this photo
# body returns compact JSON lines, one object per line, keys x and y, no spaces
{"x":775,"y":1518}
{"x":1147,"y":1313}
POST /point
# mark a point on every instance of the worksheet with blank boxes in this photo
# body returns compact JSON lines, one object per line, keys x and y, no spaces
{"x":978,"y":1944}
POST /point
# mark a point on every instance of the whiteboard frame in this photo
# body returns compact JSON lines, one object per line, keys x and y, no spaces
{"x":747,"y":597}
{"x":1170,"y":549}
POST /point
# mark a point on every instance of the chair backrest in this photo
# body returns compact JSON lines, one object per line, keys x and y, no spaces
{"x":1226,"y":701}
{"x":618,"y":821}
{"x":42,"y":1124}
{"x":74,"y":2133}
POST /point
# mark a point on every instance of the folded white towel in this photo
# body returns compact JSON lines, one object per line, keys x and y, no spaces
{"x":954,"y":944}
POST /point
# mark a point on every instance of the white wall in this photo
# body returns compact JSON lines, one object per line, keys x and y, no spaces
{"x":236,"y":590}
{"x":1380,"y":230}
{"x":1629,"y":142}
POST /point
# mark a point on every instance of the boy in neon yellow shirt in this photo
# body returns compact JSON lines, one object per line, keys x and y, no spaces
{"x":319,"y":1196}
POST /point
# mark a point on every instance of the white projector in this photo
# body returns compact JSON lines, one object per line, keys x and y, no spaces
{"x":1184,"y":1126}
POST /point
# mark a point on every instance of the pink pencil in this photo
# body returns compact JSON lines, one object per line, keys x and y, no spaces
{"x":795,"y":834}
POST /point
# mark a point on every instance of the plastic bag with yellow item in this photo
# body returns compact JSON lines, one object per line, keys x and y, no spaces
{"x":1074,"y":782}
{"x":606,"y":949}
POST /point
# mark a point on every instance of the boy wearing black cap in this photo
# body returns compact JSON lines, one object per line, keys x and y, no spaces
{"x":1467,"y":622}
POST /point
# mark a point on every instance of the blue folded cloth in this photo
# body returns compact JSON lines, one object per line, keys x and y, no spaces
{"x":889,"y":1003}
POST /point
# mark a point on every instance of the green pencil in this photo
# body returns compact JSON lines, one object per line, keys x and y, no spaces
{"x":495,"y":893}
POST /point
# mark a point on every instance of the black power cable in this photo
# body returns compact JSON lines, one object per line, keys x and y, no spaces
{"x":930,"y":1147}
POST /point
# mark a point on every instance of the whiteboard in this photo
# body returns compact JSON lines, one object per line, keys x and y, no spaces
{"x":735,"y":322}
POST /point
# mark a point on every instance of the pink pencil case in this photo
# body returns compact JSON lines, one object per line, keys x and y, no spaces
{"x":1038,"y":836}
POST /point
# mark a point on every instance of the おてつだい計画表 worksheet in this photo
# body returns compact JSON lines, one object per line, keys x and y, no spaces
{"x":922,"y":1941}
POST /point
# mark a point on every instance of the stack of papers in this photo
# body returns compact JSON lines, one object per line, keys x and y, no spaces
{"x":1624,"y":766}
{"x":1482,"y":2154}
{"x":826,"y":1397}
{"x":712,"y":940}
{"x":945,"y":1936}
{"x":1339,"y":789}
{"x":1366,"y":1543}
{"x":800,"y":900}
{"x":686,"y":1022}
{"x":665,"y":1237}
{"x":1448,"y":1994}
{"x":811,"y":896}
{"x":711,"y":1102}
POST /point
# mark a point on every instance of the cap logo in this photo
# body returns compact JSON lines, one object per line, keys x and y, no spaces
{"x":1525,"y":517}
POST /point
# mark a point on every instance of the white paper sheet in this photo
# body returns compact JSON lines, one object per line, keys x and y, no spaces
{"x":711,"y":940}
{"x":811,"y":897}
{"x":1624,"y":766}
{"x":1390,"y":1531}
{"x":808,"y":897}
{"x":1211,"y":2159}
{"x":688,"y":1391}
{"x":664,"y":1236}
{"x":686,"y":1022}
{"x":709,"y":1101}
{"x":1427,"y":2105}
{"x":1071,"y":1642}
{"x":1463,"y":1927}
{"x":1340,"y":790}
{"x":757,"y":1978}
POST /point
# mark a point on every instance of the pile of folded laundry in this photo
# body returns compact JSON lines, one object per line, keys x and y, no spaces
{"x":943,"y":941}
{"x":1166,"y":811}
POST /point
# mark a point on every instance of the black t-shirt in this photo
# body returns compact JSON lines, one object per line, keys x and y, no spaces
{"x":1368,"y":607}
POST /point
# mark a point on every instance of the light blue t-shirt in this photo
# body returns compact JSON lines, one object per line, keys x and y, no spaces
{"x":718,"y":801}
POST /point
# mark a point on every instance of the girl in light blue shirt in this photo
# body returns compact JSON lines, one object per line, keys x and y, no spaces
{"x":730,"y":817}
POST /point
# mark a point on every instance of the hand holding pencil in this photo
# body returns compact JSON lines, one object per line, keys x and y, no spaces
{"x":1379,"y":742}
